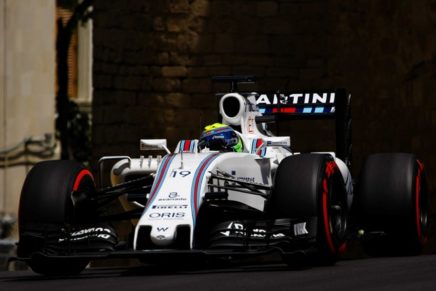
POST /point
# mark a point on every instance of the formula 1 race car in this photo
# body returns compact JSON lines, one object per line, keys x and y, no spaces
{"x":212,"y":199}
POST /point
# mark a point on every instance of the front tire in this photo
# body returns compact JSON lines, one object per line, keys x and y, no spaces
{"x":47,"y":208}
{"x":311,"y":185}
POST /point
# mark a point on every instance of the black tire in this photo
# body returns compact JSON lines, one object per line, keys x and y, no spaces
{"x":311,"y":185}
{"x":46,"y":207}
{"x":393,"y":204}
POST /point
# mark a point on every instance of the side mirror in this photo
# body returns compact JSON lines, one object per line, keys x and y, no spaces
{"x":153,"y":145}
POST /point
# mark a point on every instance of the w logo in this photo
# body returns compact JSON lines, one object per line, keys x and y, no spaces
{"x":162,"y":229}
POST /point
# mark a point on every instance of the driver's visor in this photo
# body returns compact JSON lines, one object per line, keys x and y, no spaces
{"x":227,"y":135}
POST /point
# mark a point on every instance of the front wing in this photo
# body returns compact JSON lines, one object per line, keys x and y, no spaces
{"x":232,"y":239}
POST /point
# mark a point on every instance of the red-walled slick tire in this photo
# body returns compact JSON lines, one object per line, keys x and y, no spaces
{"x":311,"y":185}
{"x":393,"y":202}
{"x":50,"y":201}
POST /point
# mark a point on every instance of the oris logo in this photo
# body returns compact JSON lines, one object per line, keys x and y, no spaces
{"x":166,"y":215}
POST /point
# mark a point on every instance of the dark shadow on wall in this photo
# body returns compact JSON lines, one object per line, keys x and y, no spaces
{"x":154,"y":59}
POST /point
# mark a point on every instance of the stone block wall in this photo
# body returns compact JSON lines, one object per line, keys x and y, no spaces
{"x":153,"y":61}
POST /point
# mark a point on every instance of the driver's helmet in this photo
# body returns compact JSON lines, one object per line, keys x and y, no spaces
{"x":220,"y":137}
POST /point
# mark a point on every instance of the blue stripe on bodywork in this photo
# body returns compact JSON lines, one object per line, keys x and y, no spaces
{"x":196,"y":188}
{"x":253,"y":146}
{"x":319,"y":110}
{"x":182,"y":145}
{"x":263,"y":153}
{"x":160,"y":177}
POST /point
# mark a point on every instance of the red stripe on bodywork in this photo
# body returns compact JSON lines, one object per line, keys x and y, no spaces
{"x":285,"y":110}
{"x":187,"y":146}
{"x":258,"y":144}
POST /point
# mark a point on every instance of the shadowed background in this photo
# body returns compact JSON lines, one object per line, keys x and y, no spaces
{"x":153,"y":61}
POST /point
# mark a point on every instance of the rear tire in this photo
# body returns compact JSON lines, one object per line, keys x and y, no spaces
{"x":311,"y":185}
{"x":46,"y":209}
{"x":393,"y":203}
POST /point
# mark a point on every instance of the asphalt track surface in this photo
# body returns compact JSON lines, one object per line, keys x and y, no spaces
{"x":403,"y":273}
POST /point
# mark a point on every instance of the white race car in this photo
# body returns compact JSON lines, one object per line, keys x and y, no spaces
{"x":237,"y":191}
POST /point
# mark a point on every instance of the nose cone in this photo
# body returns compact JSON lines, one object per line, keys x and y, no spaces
{"x":163,"y":235}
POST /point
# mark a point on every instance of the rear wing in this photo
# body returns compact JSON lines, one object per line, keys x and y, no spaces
{"x":325,"y":104}
{"x":334,"y":104}
{"x":300,"y":105}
